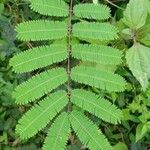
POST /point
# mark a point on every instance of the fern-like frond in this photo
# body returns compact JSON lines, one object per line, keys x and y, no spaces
{"x":58,"y":134}
{"x":92,"y":11}
{"x":41,"y":30}
{"x":88,"y":132}
{"x":96,"y":105}
{"x":98,"y":78}
{"x":40,"y":115}
{"x":50,"y":7}
{"x":95,"y":31}
{"x":38,"y":57}
{"x":97,"y":53}
{"x":39,"y":85}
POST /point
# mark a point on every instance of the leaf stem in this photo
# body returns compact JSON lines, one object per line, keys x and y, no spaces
{"x":111,"y":3}
{"x":69,"y":48}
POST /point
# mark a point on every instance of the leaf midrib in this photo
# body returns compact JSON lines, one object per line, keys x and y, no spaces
{"x":59,"y":133}
{"x":99,"y":79}
{"x":41,"y":30}
{"x":93,"y":11}
{"x":39,"y":58}
{"x":96,"y":52}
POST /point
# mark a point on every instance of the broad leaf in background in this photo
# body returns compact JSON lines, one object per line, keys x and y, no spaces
{"x":149,"y":7}
{"x":141,"y":130}
{"x":120,"y":146}
{"x":138,"y":60}
{"x":145,"y":35}
{"x":136,"y":13}
{"x":1,"y":8}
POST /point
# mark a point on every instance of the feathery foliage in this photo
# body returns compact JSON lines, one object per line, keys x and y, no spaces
{"x":87,"y":132}
{"x":38,"y":30}
{"x":97,"y":78}
{"x":58,"y":134}
{"x":97,"y":53}
{"x":38,"y":117}
{"x":41,"y":85}
{"x":38,"y":57}
{"x":95,"y":31}
{"x":90,"y":11}
{"x":96,"y":105}
{"x":51,"y":8}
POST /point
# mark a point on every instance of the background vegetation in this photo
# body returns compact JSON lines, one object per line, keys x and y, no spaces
{"x":134,"y":133}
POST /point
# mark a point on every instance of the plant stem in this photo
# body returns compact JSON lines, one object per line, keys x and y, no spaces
{"x":114,"y":5}
{"x":69,"y":47}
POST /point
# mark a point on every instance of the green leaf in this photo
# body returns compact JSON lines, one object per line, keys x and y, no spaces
{"x":149,"y":7}
{"x":39,"y":85}
{"x":95,"y":31}
{"x":38,"y":57}
{"x":141,"y":130}
{"x":144,"y":35}
{"x":58,"y":134}
{"x":40,"y":115}
{"x":128,"y":33}
{"x":120,"y":146}
{"x":138,"y":59}
{"x":99,"y":79}
{"x":1,"y":8}
{"x":92,"y":11}
{"x":136,"y":13}
{"x":88,"y":133}
{"x":146,"y":39}
{"x":41,"y":30}
{"x":50,"y":7}
{"x":97,"y":53}
{"x":97,"y":66}
{"x":96,"y":105}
